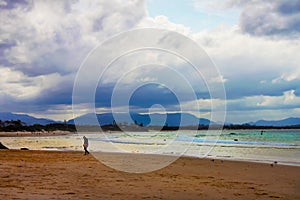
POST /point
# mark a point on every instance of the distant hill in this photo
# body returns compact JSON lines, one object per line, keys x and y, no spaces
{"x":172,"y":119}
{"x":29,"y":120}
{"x":284,"y":122}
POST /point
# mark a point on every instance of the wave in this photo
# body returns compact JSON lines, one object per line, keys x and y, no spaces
{"x":216,"y":141}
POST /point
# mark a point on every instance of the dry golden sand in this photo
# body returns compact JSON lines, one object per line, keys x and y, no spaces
{"x":71,"y":175}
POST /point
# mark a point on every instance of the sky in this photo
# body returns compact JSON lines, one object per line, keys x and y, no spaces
{"x":254,"y":44}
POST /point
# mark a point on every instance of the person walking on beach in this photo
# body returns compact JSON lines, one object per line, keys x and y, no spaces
{"x":85,"y":145}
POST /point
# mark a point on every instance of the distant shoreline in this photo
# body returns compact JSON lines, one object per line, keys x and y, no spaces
{"x":34,"y":134}
{"x":95,"y":130}
{"x":19,"y":126}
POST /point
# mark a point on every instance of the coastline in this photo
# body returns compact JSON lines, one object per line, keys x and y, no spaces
{"x":228,"y":150}
{"x":61,"y":175}
{"x":35,"y":134}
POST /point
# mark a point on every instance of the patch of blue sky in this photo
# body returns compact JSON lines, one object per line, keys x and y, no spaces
{"x":197,"y":18}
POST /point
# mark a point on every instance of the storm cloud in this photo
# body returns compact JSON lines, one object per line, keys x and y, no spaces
{"x":267,"y":17}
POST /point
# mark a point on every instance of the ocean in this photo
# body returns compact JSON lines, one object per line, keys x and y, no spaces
{"x":282,"y":146}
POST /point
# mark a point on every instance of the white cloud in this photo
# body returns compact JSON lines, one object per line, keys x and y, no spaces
{"x":249,"y":108}
{"x":251,"y":61}
{"x":3,"y":3}
{"x":295,"y":75}
{"x":287,"y":100}
{"x":59,"y":112}
{"x":219,"y":79}
{"x":20,"y":86}
{"x":204,"y":104}
{"x":164,"y":23}
{"x":55,"y":36}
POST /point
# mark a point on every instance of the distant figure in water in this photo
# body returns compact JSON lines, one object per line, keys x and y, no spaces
{"x":262,"y":132}
{"x":85,"y":145}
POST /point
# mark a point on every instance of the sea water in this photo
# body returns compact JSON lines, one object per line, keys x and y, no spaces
{"x":281,"y":145}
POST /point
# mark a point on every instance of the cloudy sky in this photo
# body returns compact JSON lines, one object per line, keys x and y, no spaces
{"x":254,"y":44}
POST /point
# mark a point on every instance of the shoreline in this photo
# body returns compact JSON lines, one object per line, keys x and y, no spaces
{"x":60,"y":132}
{"x":35,"y":134}
{"x":287,"y":155}
{"x":268,"y":157}
{"x":71,"y":175}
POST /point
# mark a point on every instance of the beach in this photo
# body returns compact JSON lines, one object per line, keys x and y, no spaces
{"x":71,"y":175}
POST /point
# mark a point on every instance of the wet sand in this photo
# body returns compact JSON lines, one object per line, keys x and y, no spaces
{"x":71,"y":175}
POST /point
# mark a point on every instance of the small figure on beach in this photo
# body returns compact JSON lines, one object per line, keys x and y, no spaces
{"x":85,"y":145}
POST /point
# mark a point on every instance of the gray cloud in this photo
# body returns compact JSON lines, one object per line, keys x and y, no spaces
{"x":42,"y":44}
{"x":12,"y":4}
{"x":289,"y":7}
{"x":47,"y":37}
{"x":267,"y":17}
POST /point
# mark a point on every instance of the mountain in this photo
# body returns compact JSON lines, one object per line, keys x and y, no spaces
{"x":29,"y":120}
{"x":171,"y":119}
{"x":284,"y":122}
